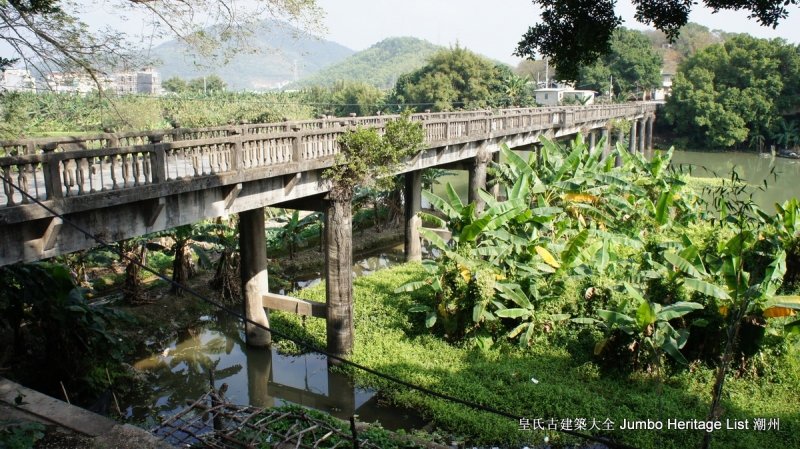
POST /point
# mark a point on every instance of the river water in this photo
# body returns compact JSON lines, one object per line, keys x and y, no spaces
{"x":782,"y":174}
{"x":179,"y":371}
{"x":262,"y":377}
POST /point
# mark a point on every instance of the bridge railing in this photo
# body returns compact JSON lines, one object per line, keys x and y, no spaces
{"x":69,"y":167}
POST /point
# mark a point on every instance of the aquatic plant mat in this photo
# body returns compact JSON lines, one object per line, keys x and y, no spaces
{"x":214,"y":422}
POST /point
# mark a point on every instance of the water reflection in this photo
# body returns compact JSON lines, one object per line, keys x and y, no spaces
{"x":259,"y":376}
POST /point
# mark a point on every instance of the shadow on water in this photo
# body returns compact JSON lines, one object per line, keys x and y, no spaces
{"x":259,"y":376}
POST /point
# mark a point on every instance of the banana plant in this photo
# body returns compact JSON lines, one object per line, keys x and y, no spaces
{"x":648,"y":322}
{"x":525,"y":312}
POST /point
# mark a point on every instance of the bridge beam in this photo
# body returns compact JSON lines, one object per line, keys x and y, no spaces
{"x":253,"y":248}
{"x":413,"y":204}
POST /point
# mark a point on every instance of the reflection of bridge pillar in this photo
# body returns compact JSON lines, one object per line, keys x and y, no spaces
{"x":339,"y":277}
{"x":621,"y":144}
{"x":413,"y":198}
{"x":591,"y":142}
{"x":632,"y":141}
{"x":477,"y":178}
{"x":259,"y":375}
{"x":342,"y":394}
{"x":253,"y":244}
{"x":642,"y":122}
{"x":606,"y":134}
{"x":650,"y":121}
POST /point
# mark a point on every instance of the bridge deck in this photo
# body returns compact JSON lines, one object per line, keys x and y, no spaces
{"x":198,"y":173}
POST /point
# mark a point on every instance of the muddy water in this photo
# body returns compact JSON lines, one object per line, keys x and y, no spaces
{"x":260,"y":377}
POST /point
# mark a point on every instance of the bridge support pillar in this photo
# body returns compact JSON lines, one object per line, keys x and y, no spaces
{"x":642,"y":122}
{"x":632,"y":140}
{"x":253,"y":244}
{"x":495,"y":189}
{"x":592,"y":142}
{"x":477,"y":178}
{"x":621,"y":143}
{"x":606,"y":134}
{"x":413,"y":198}
{"x":339,"y":276}
{"x":650,"y":121}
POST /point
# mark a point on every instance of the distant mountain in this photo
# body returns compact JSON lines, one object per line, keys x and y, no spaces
{"x":257,"y":71}
{"x":379,"y":65}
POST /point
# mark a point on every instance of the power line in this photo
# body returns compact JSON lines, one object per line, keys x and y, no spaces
{"x":302,"y":343}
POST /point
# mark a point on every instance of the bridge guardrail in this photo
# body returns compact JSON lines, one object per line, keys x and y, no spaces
{"x":77,"y":166}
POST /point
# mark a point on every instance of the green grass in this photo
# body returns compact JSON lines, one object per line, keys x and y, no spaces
{"x":571,"y":385}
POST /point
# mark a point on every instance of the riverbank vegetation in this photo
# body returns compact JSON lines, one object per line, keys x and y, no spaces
{"x":737,"y":93}
{"x":592,"y":292}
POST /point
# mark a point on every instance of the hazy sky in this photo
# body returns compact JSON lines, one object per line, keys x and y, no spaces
{"x":492,"y":28}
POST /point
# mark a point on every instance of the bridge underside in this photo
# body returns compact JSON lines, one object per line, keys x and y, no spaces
{"x":34,"y":234}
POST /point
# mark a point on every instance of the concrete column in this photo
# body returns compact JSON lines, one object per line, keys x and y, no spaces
{"x":339,"y":277}
{"x":591,"y":142}
{"x":632,"y":141}
{"x":413,"y":198}
{"x":642,"y":123}
{"x":606,"y":134}
{"x":494,"y":189}
{"x":477,"y":178}
{"x":621,"y":143}
{"x":253,"y":244}
{"x":650,"y":132}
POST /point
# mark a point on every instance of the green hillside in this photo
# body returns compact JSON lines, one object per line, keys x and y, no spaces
{"x":379,"y":65}
{"x":256,"y":71}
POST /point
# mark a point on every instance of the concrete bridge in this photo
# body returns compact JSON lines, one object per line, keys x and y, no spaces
{"x":123,"y":185}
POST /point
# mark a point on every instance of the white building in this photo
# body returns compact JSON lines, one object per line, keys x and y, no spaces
{"x":74,"y":83}
{"x":556,"y":96}
{"x":146,"y":81}
{"x":17,"y":80}
{"x":665,"y":90}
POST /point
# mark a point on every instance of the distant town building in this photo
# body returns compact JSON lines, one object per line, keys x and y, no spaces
{"x":17,"y":80}
{"x":146,"y":81}
{"x":75,"y":83}
{"x":556,"y":96}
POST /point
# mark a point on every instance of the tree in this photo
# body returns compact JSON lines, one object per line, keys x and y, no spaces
{"x":726,"y":93}
{"x":632,"y":62}
{"x":364,"y":156}
{"x":206,"y":84}
{"x":51,"y":36}
{"x":575,"y":33}
{"x":356,"y":97}
{"x":175,"y":84}
{"x":454,"y":78}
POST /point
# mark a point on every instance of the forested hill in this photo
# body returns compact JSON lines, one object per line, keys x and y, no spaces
{"x":268,"y":70}
{"x":379,"y":65}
